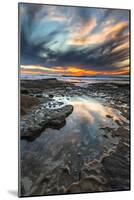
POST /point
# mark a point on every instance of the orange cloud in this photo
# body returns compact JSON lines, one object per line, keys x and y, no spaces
{"x":109,"y":32}
{"x":30,"y":72}
{"x":124,"y":72}
{"x":71,"y":71}
{"x":79,"y":71}
{"x":82,"y":30}
{"x":121,"y":47}
{"x":55,"y":16}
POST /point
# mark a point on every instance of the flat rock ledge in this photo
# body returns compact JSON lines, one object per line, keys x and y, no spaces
{"x":40,"y":118}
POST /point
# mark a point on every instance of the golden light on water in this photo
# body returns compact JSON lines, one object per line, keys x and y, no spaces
{"x":90,"y":111}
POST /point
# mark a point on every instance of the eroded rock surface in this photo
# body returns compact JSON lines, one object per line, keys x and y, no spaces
{"x":60,"y":154}
{"x":40,"y":118}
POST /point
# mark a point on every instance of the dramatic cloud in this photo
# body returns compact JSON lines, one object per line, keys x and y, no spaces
{"x":61,"y":40}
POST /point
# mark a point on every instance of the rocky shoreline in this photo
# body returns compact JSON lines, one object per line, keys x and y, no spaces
{"x":40,"y":118}
{"x":62,"y":165}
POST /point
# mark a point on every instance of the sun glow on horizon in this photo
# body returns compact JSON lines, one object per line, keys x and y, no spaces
{"x":69,"y":71}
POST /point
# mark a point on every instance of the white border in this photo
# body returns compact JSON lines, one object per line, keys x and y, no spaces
{"x":9,"y":97}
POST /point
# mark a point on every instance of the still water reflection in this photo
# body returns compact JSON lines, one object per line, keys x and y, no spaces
{"x":85,"y":137}
{"x":87,"y":131}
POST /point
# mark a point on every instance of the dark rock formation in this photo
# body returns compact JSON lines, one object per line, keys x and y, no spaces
{"x":27,"y":102}
{"x":41,"y":118}
{"x":55,"y":164}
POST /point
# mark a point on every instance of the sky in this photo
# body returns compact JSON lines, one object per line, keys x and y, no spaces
{"x":73,"y":41}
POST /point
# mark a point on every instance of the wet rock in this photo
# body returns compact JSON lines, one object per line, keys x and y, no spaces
{"x":42,"y":84}
{"x":26,"y":184}
{"x":43,"y":118}
{"x":110,"y":172}
{"x":91,"y":183}
{"x":51,"y":95}
{"x":24,"y":91}
{"x":27,"y":103}
{"x":86,"y":142}
{"x":62,"y":189}
{"x":117,"y":172}
{"x":49,"y":104}
{"x":118,"y":122}
{"x":109,"y":116}
{"x":39,"y":95}
{"x":104,"y":135}
{"x":60,"y":103}
{"x":108,"y":129}
{"x":66,"y":169}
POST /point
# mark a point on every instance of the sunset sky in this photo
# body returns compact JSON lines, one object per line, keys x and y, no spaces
{"x":73,"y":41}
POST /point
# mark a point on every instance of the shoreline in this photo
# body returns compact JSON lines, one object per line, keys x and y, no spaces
{"x":110,"y":172}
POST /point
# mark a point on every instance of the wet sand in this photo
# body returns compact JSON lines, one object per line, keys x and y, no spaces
{"x":89,"y":152}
